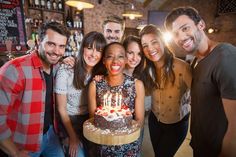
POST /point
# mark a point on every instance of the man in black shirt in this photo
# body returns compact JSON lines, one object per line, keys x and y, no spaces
{"x":213,"y":101}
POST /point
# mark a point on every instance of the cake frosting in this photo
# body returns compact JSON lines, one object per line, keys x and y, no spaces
{"x":113,"y":118}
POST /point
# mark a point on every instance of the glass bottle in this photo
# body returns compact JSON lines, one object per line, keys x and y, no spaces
{"x":36,"y":3}
{"x":60,"y":7}
{"x":54,"y":5}
{"x":49,"y":5}
{"x":76,"y":21}
{"x":42,"y":3}
{"x":69,"y":20}
{"x":31,"y":3}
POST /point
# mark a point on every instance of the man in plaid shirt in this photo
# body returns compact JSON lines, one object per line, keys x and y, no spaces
{"x":26,"y":98}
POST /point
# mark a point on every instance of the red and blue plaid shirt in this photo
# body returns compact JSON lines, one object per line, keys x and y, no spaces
{"x":22,"y":101}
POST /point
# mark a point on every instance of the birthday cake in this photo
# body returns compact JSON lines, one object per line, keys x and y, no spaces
{"x":113,"y":118}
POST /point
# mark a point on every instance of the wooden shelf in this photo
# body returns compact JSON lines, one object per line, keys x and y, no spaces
{"x":44,"y":9}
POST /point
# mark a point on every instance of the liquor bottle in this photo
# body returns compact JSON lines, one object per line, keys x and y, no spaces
{"x":76,"y":21}
{"x":49,"y":5}
{"x":42,"y":3}
{"x":80,"y":23}
{"x":36,"y":22}
{"x":54,"y":5}
{"x":69,"y":20}
{"x":31,"y":3}
{"x":60,"y":7}
{"x":36,"y":3}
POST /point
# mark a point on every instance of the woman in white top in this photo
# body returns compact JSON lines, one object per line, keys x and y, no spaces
{"x":71,"y":93}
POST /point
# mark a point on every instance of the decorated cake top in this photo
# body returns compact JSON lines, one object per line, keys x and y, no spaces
{"x":111,"y":113}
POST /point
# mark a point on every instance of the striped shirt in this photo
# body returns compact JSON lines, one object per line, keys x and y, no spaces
{"x":22,"y":101}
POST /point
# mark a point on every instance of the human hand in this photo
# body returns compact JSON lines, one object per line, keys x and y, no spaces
{"x":98,"y":78}
{"x":73,"y":147}
{"x":21,"y":153}
{"x":69,"y":61}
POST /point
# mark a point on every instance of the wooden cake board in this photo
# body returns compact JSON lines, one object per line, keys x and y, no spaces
{"x":106,"y":137}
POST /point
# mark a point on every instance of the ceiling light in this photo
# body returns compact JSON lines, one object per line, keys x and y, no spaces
{"x":132,"y":14}
{"x":210,"y":30}
{"x":79,"y":4}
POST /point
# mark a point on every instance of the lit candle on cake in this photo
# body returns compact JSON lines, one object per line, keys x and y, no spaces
{"x":104,"y":100}
{"x":116,"y":100}
{"x":109,"y":100}
{"x":120,"y":100}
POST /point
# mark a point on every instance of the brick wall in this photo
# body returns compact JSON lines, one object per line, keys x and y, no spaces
{"x":226,"y":23}
{"x":93,"y":18}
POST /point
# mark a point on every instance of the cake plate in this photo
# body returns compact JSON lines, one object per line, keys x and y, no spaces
{"x":107,"y":137}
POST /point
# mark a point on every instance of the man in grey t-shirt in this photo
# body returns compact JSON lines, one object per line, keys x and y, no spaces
{"x":213,"y":120}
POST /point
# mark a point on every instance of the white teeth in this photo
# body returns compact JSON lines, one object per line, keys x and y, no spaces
{"x":153,"y":53}
{"x":53,"y":56}
{"x":187,"y":43}
{"x":115,"y":67}
{"x":92,"y":59}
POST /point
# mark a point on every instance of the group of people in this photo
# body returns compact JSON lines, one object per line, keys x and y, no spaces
{"x":43,"y":104}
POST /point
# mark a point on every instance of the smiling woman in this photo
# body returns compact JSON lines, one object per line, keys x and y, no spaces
{"x":71,"y":94}
{"x":168,"y":80}
{"x":131,"y":93}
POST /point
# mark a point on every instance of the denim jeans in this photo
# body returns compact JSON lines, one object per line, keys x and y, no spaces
{"x":80,"y":153}
{"x":50,"y":146}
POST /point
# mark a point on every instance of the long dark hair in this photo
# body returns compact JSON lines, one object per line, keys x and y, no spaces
{"x":95,"y":39}
{"x":138,"y":70}
{"x":151,"y":77}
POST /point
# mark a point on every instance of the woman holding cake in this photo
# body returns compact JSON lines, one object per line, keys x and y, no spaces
{"x":169,"y":81}
{"x":71,"y":93}
{"x":131,"y":91}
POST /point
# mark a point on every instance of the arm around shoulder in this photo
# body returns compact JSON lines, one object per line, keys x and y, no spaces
{"x":188,"y":76}
{"x":92,"y":103}
{"x":139,"y":102}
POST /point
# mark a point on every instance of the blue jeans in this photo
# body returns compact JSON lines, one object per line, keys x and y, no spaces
{"x":81,"y":152}
{"x":50,"y":146}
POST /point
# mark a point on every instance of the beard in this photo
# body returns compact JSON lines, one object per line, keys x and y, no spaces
{"x":42,"y":54}
{"x":197,"y":37}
